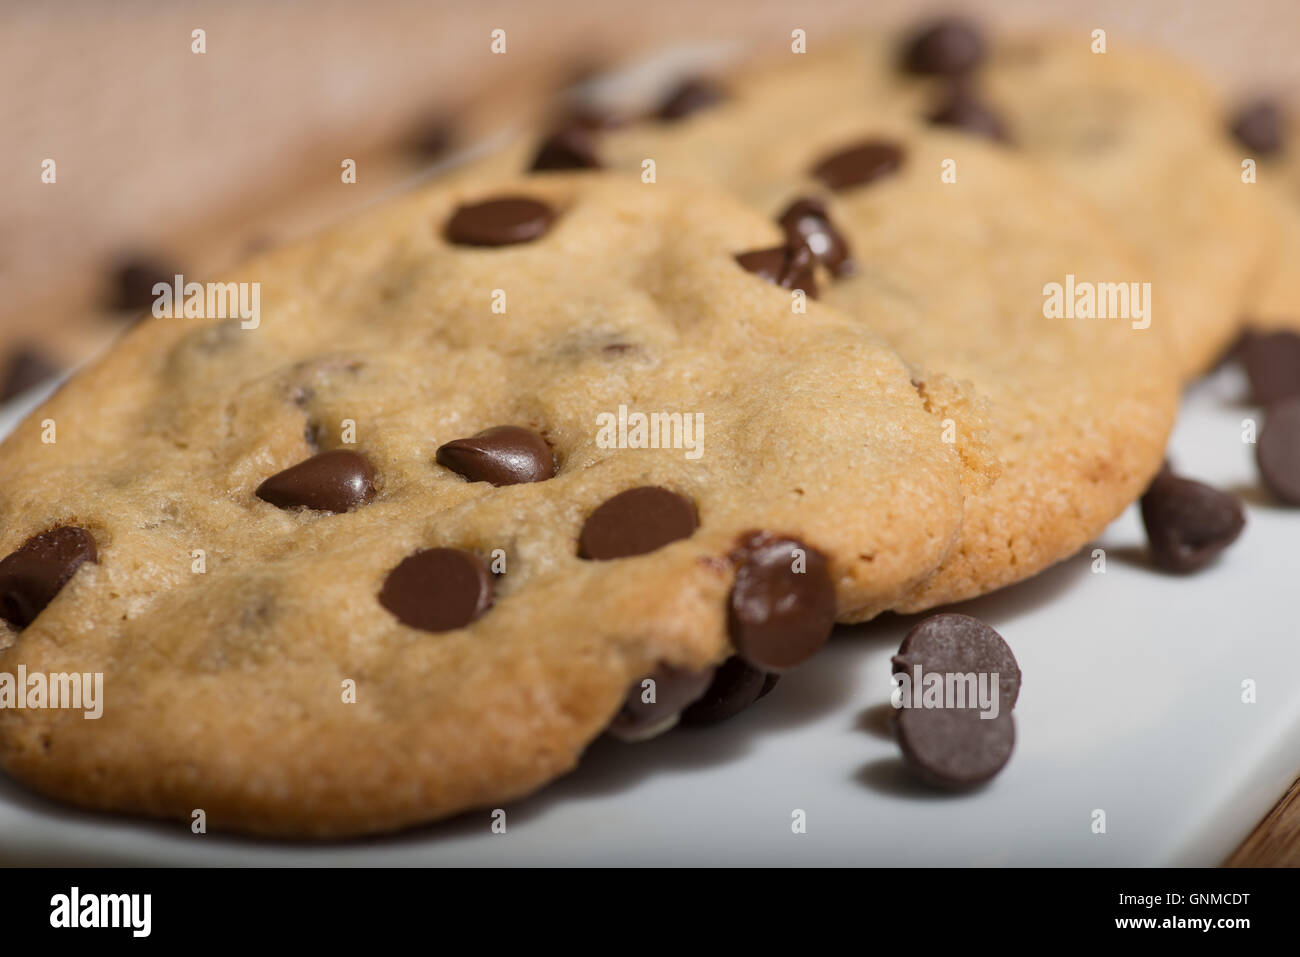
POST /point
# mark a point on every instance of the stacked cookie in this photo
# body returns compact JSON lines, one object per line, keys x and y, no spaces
{"x":607,"y":431}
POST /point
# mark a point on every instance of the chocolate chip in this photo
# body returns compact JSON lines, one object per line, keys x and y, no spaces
{"x":1258,"y":127}
{"x":503,"y":455}
{"x":569,"y":147}
{"x":1277,"y":451}
{"x":952,"y":644}
{"x":635,"y":522}
{"x":782,"y":605}
{"x":27,"y":367}
{"x":674,"y":689}
{"x":31,"y":576}
{"x":333,"y":481}
{"x":961,"y":110}
{"x":790,"y":267}
{"x":499,"y":222}
{"x":807,"y":223}
{"x":431,"y":137}
{"x":438,"y":589}
{"x":736,"y":685}
{"x":946,"y":47}
{"x":1188,"y":523}
{"x":859,"y":164}
{"x":690,"y":96}
{"x":134,"y":279}
{"x":954,"y":748}
{"x":1272,"y":363}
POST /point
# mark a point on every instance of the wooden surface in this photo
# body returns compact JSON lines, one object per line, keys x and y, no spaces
{"x":1276,"y":842}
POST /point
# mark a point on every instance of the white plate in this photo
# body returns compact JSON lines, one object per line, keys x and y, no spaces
{"x":1131,"y":704}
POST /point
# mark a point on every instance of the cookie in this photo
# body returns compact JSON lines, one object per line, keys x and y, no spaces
{"x":328,"y":596}
{"x":955,"y":275}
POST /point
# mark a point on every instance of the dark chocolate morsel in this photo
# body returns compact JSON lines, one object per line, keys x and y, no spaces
{"x":946,"y":47}
{"x":438,"y":589}
{"x":1277,"y":450}
{"x":960,"y":645}
{"x":807,"y":223}
{"x":569,"y":147}
{"x":960,"y":110}
{"x":790,"y":267}
{"x":32,"y":575}
{"x":690,"y":96}
{"x":635,"y":522}
{"x":954,"y":748}
{"x":499,"y":222}
{"x":1188,"y":523}
{"x":27,"y":367}
{"x":503,"y":455}
{"x":782,"y":606}
{"x":1272,"y":364}
{"x":673,"y":690}
{"x":333,"y":481}
{"x":858,"y":164}
{"x":736,"y":685}
{"x":1258,"y":127}
{"x":134,"y":278}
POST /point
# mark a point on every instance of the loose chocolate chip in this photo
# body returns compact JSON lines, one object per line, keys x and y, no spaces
{"x":690,"y":96}
{"x":499,"y":222}
{"x":674,"y":689}
{"x":31,"y":576}
{"x":503,"y":455}
{"x":807,"y":223}
{"x":782,"y":604}
{"x":27,"y":367}
{"x":790,"y":267}
{"x":569,"y":147}
{"x":333,"y":481}
{"x":954,"y":748}
{"x":952,"y":644}
{"x":736,"y":685}
{"x":947,"y":47}
{"x":1188,"y":523}
{"x":1277,"y":451}
{"x":1272,"y":363}
{"x":438,"y":589}
{"x":134,"y":279}
{"x":859,"y":164}
{"x":637,"y":521}
{"x":961,"y":110}
{"x":1258,"y":127}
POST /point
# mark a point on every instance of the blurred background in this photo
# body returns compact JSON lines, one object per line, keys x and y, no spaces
{"x":171,"y":160}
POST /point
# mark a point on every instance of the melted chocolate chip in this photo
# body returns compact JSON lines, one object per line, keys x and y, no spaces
{"x":736,"y":685}
{"x":859,"y":164}
{"x":673,"y":690}
{"x":333,"y":481}
{"x":947,"y":47}
{"x":31,"y":576}
{"x":1188,"y":523}
{"x":635,"y":522}
{"x":790,"y":267}
{"x":1258,"y":127}
{"x":961,"y":110}
{"x":1272,"y":363}
{"x":954,"y":748}
{"x":503,"y":455}
{"x":1277,"y":452}
{"x":959,"y":644}
{"x":438,"y":589}
{"x":27,"y":367}
{"x":499,"y":222}
{"x":782,"y":605}
{"x":807,"y":223}
{"x":569,"y":147}
{"x":689,"y":97}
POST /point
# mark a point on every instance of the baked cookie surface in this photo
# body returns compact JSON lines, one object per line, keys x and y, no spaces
{"x":242,"y":521}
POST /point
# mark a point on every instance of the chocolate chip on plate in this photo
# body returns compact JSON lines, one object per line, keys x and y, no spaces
{"x":1188,"y":523}
{"x":782,"y":604}
{"x":946,"y":47}
{"x":438,"y":589}
{"x":673,"y":690}
{"x":499,"y":222}
{"x":332,"y":481}
{"x":960,"y":645}
{"x":502,"y":455}
{"x":1272,"y":364}
{"x":27,"y":367}
{"x":961,"y":110}
{"x":858,"y":164}
{"x":31,"y":576}
{"x":134,"y":278}
{"x":954,"y":748}
{"x":635,"y":522}
{"x":1277,"y":450}
{"x":790,"y":267}
{"x":690,"y":96}
{"x":806,"y":222}
{"x":736,"y":685}
{"x":1258,"y":127}
{"x":569,"y":147}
